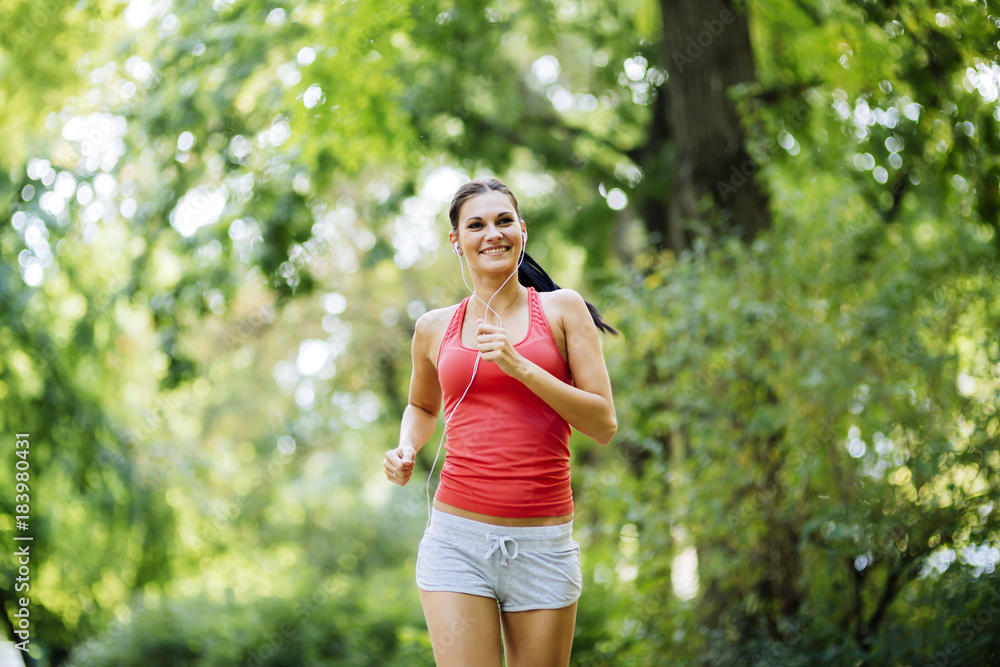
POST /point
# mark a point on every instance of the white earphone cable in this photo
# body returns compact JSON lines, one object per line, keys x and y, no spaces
{"x":475,"y":367}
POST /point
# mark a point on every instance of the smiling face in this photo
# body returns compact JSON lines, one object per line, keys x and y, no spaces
{"x":489,"y":232}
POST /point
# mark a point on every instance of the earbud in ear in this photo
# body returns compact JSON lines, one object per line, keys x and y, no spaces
{"x":454,"y":248}
{"x":524,"y":237}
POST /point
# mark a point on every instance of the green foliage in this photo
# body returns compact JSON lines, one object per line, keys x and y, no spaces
{"x":819,"y":426}
{"x":323,"y":623}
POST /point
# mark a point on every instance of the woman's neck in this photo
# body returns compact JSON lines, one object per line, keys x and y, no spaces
{"x":486,"y":292}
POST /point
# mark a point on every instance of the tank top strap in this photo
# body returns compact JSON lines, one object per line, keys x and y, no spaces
{"x":455,"y":326}
{"x":535,"y":310}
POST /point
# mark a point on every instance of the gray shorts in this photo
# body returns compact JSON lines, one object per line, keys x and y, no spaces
{"x":521,"y":567}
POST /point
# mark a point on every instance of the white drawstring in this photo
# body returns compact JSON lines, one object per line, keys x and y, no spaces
{"x":499,"y":543}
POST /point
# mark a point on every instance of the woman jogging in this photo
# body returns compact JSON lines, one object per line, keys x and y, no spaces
{"x":516,"y":364}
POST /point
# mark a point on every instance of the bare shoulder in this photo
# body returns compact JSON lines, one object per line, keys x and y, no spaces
{"x":565,"y":305}
{"x":435,"y":319}
{"x":564,"y":296}
{"x":430,"y":328}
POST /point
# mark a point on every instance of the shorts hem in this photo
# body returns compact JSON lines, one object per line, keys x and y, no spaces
{"x":534,"y":606}
{"x":538,"y":606}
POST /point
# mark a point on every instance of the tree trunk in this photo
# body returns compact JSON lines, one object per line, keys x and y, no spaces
{"x":712,"y":186}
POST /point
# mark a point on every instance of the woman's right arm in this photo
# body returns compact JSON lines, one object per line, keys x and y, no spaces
{"x":421,"y":414}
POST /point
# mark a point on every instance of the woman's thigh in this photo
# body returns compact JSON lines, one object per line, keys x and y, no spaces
{"x":465,"y":629}
{"x":539,"y":637}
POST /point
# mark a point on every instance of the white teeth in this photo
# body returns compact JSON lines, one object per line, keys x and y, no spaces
{"x":495,"y":251}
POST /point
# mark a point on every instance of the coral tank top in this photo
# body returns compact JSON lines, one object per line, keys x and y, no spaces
{"x":508,"y":452}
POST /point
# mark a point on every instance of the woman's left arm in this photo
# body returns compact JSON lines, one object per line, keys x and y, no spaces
{"x":587,"y":404}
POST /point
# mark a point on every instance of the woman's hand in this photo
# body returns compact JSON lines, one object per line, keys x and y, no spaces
{"x":494,"y":346}
{"x":398,"y":464}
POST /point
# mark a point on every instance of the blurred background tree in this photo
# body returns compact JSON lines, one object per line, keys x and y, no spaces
{"x":221,"y":221}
